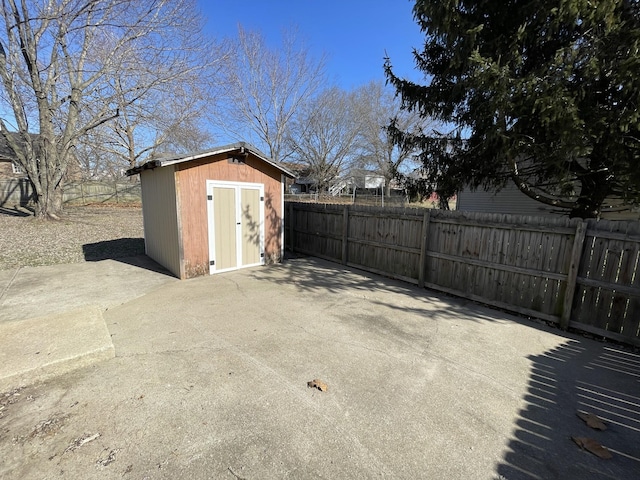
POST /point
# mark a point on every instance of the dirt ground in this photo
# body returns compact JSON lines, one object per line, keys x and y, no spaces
{"x":84,"y":234}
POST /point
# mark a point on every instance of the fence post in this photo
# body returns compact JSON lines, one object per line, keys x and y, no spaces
{"x":572,"y":275}
{"x":423,"y":248}
{"x":82,"y":193}
{"x":291,"y":228}
{"x":115,"y":185}
{"x":345,"y":234}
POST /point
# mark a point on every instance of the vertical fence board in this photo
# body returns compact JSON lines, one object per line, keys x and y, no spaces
{"x":576,"y":253}
{"x":422,"y":272}
{"x":292,"y":222}
{"x":345,"y":235}
{"x":631,"y":277}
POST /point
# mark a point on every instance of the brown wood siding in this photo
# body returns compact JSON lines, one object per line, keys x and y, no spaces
{"x":160,"y":218}
{"x":192,"y":179}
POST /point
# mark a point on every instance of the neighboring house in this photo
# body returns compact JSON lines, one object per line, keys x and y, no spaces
{"x":304,"y":180}
{"x":15,"y":187}
{"x":301,"y":182}
{"x":9,"y":167}
{"x":511,"y":200}
{"x":213,"y":211}
{"x":367,"y":179}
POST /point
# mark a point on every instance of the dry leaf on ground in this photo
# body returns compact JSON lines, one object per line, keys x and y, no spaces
{"x":78,"y":442}
{"x":109,"y":459}
{"x":593,"y":446}
{"x":319,"y":384}
{"x":592,"y":420}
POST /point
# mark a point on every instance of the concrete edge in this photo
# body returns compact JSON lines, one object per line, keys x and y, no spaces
{"x":38,"y":349}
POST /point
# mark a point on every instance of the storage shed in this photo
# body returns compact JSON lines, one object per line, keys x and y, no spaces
{"x":213,"y":211}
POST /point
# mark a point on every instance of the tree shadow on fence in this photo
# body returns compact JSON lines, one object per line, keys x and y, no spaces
{"x":579,"y":376}
{"x":125,"y":250}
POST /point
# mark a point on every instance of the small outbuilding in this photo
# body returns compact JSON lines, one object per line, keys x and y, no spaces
{"x":213,"y":211}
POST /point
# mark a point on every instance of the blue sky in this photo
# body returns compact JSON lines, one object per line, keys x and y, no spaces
{"x":354,"y":33}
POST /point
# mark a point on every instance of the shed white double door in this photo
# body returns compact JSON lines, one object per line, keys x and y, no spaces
{"x":236,"y":225}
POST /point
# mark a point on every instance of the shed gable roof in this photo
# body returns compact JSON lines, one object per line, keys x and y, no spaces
{"x":240,"y":147}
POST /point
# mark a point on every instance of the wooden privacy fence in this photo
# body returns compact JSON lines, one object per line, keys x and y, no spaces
{"x":574,"y":273}
{"x":20,"y":192}
{"x":84,"y":193}
{"x":15,"y":191}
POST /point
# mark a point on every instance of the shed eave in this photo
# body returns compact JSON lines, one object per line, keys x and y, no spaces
{"x":164,"y":162}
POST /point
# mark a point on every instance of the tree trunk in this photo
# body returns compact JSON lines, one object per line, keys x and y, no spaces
{"x":387,"y":186}
{"x":594,"y":190}
{"x":588,"y":205}
{"x":49,"y":203}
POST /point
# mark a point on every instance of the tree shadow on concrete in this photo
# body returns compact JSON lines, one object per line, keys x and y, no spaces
{"x":582,"y":375}
{"x":579,"y":376}
{"x":17,"y":211}
{"x":313,"y":276}
{"x":125,"y":250}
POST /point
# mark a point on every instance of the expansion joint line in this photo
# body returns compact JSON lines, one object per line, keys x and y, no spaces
{"x":6,"y":289}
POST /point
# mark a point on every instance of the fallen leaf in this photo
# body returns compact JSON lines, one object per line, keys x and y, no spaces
{"x":78,"y":442}
{"x":593,"y":446}
{"x":319,"y":384}
{"x":111,"y":457}
{"x":592,"y":420}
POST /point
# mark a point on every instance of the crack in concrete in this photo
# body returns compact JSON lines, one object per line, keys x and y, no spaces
{"x":6,"y":289}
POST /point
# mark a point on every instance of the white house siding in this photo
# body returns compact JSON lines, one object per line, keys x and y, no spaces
{"x":512,"y":201}
{"x":160,"y":217}
{"x":508,"y":200}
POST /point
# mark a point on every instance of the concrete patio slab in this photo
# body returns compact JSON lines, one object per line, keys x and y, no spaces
{"x":40,"y":348}
{"x":210,"y":381}
{"x":36,"y":291}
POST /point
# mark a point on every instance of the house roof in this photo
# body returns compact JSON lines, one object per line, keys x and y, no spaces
{"x":240,"y":147}
{"x":6,"y":153}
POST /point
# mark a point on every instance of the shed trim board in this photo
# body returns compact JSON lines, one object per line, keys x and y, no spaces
{"x":182,"y":266}
{"x":238,"y":252}
{"x":283,"y":182}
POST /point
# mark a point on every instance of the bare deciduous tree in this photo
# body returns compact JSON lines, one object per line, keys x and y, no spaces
{"x":168,"y":119}
{"x":378,"y":107}
{"x":323,"y":135}
{"x":60,"y":61}
{"x":265,"y":87}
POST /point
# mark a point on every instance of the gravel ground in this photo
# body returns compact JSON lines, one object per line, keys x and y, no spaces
{"x":84,"y":234}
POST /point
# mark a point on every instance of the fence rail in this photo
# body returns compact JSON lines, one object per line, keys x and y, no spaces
{"x":359,"y":199}
{"x":576,"y":274}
